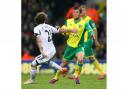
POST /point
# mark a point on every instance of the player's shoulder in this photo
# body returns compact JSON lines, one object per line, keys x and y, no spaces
{"x":37,"y":27}
{"x":44,"y":25}
{"x":47,"y":25}
{"x":88,"y":17}
{"x":70,"y":19}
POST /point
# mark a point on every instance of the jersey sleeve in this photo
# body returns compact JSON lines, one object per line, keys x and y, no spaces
{"x":88,"y":28}
{"x":54,"y":30}
{"x":65,"y":25}
{"x":37,"y":31}
{"x":91,"y":22}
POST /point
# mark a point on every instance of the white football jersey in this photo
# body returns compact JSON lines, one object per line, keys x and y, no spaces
{"x":45,"y":31}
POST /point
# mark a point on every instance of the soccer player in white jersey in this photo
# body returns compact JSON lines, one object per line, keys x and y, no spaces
{"x":43,"y":33}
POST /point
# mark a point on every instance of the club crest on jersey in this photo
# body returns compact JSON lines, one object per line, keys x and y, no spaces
{"x":80,"y":26}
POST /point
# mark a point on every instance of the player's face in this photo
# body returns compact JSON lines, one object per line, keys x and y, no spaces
{"x":83,"y":12}
{"x":76,"y":14}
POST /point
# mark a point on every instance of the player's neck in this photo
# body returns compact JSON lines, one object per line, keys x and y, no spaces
{"x":76,"y":20}
{"x":84,"y":16}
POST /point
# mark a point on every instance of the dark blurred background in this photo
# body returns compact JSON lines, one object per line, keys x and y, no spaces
{"x":58,"y":11}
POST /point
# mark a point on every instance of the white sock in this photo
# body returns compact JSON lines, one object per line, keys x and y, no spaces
{"x":33,"y":74}
{"x":54,"y":65}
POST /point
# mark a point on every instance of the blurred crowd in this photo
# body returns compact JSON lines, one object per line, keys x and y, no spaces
{"x":58,"y":11}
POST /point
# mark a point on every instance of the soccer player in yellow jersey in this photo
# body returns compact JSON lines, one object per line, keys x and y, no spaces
{"x":88,"y":42}
{"x":74,"y":47}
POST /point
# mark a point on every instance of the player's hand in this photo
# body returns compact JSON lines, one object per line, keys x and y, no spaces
{"x":44,"y":54}
{"x":93,"y":37}
{"x":74,"y":31}
{"x":97,"y":44}
{"x":57,"y":27}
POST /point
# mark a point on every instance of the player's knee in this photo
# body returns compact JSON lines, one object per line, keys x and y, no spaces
{"x":91,"y":58}
{"x":34,"y":64}
{"x":80,"y":60}
{"x":80,"y":55}
{"x":64,"y":63}
{"x":80,"y":63}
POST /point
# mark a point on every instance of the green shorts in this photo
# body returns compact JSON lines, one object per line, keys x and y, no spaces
{"x":70,"y":53}
{"x":88,"y":48}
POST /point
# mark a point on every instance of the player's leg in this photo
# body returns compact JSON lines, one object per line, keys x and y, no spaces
{"x":57,"y":74}
{"x":33,"y":70}
{"x":68,"y":55}
{"x":58,"y":67}
{"x":63,"y":64}
{"x":41,"y":60}
{"x":89,"y":53}
{"x":85,"y":52}
{"x":52,"y":63}
{"x":79,"y":64}
{"x":98,"y":67}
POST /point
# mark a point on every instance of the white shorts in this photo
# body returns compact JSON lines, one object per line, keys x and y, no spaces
{"x":40,"y":59}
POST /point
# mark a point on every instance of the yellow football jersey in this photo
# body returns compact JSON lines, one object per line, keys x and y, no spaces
{"x":75,"y":38}
{"x":87,"y":18}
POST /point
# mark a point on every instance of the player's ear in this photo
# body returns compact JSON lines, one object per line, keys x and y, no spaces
{"x":35,"y":35}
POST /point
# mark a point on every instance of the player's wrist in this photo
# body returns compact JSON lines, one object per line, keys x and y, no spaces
{"x":41,"y":51}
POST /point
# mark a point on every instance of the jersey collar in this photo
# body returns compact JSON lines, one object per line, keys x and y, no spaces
{"x":84,"y":17}
{"x":76,"y":21}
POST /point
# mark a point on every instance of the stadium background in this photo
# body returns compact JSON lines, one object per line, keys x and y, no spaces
{"x":58,"y":11}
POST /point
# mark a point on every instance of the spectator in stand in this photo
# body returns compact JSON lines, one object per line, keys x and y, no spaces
{"x":26,"y":55}
{"x":93,"y":13}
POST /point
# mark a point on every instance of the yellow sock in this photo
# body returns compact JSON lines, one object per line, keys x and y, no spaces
{"x":57,"y":74}
{"x":78,"y":69}
{"x":97,"y":65}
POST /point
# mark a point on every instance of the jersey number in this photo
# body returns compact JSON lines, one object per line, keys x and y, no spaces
{"x":49,"y":35}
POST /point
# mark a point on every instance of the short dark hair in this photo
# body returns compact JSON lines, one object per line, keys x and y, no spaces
{"x":40,"y":17}
{"x":76,"y":8}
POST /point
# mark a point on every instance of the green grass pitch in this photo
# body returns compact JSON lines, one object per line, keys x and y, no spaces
{"x":42,"y":82}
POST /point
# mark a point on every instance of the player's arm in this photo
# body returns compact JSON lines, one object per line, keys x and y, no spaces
{"x":64,"y":29}
{"x":89,"y":29}
{"x":91,"y":22}
{"x":39,"y":43}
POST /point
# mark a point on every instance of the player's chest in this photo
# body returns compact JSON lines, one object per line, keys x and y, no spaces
{"x":79,"y":26}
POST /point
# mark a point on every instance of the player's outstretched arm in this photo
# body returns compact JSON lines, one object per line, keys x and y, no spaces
{"x":65,"y":30}
{"x":62,"y":29}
